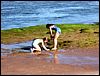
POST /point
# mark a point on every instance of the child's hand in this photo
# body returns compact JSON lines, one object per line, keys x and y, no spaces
{"x":52,"y":37}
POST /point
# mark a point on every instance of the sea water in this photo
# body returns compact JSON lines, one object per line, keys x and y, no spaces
{"x":16,"y":14}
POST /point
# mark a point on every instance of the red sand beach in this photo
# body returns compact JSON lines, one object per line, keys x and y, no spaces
{"x":66,"y":62}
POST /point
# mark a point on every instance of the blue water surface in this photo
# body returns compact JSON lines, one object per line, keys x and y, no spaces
{"x":16,"y":14}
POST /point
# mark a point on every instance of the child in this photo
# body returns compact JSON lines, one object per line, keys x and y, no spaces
{"x":36,"y":42}
{"x":56,"y":35}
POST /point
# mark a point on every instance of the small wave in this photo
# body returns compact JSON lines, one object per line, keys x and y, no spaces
{"x":93,"y":3}
{"x":48,"y":12}
{"x":40,"y":15}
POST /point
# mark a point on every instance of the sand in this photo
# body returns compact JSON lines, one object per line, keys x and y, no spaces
{"x":64,"y":62}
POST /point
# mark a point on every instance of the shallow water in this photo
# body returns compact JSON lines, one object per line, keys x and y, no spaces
{"x":18,"y":47}
{"x":15,"y":14}
{"x":51,"y":57}
{"x":75,"y":60}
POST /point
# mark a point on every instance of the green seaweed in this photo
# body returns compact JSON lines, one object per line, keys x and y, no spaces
{"x":73,"y":35}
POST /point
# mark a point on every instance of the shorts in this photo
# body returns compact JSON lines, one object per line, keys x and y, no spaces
{"x":58,"y":30}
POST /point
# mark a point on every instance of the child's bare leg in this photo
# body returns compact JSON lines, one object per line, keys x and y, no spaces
{"x":37,"y":48}
{"x":31,"y":50}
{"x":55,"y":41}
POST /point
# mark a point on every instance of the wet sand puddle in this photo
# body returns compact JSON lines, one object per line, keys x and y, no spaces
{"x":74,"y":60}
{"x":50,"y":57}
{"x":18,"y":47}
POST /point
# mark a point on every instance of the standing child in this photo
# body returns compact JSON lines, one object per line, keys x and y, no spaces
{"x":56,"y":35}
{"x":36,"y":42}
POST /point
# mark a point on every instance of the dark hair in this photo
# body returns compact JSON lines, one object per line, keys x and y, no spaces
{"x":48,"y":25}
{"x":45,"y":38}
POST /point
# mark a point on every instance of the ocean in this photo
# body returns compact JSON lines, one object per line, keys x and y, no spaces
{"x":17,"y":14}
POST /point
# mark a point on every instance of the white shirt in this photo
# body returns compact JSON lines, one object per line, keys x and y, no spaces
{"x":37,"y":41}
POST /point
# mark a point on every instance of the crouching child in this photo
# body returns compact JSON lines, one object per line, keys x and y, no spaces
{"x":36,"y":47}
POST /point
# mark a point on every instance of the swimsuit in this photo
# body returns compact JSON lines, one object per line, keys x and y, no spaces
{"x":57,"y":29}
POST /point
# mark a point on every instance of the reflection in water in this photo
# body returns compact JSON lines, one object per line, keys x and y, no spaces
{"x":58,"y":58}
{"x":55,"y":55}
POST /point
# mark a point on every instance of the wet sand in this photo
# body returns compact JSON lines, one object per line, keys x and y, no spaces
{"x":64,"y":62}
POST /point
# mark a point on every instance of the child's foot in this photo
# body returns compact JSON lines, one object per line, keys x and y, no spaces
{"x":37,"y":53}
{"x":32,"y":49}
{"x":54,"y":48}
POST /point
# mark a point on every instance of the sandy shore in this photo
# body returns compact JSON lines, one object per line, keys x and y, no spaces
{"x":64,"y":62}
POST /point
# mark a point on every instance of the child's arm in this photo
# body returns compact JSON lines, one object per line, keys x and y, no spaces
{"x":51,"y":31}
{"x":44,"y":46}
